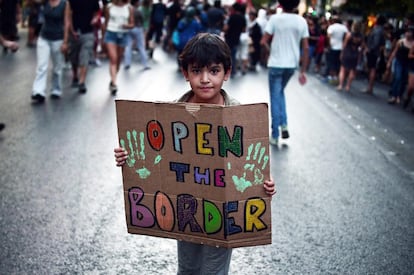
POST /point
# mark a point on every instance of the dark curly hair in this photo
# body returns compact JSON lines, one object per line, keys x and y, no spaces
{"x":205,"y":49}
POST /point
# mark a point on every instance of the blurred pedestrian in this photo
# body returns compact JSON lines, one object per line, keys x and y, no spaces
{"x":288,"y":31}
{"x":236,"y":24}
{"x":11,"y":45}
{"x":215,"y":18}
{"x":187,"y":27}
{"x":205,"y":61}
{"x":34,"y":22}
{"x":156,"y":26}
{"x":375,"y":42}
{"x":10,"y":18}
{"x":336,"y":33}
{"x":174,"y":14}
{"x":401,"y":66}
{"x":119,"y":19}
{"x":49,"y":46}
{"x":410,"y":87}
{"x":350,"y":56}
{"x":137,"y":38}
{"x":79,"y":38}
{"x":255,"y":34}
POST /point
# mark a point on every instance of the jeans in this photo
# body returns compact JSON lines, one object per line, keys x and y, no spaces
{"x":278,"y":79}
{"x":137,"y":35}
{"x":202,"y":259}
{"x":400,"y":79}
{"x":48,"y":49}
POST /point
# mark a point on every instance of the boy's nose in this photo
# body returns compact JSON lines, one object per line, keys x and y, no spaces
{"x":204,"y":77}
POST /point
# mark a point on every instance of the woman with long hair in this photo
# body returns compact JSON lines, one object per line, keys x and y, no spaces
{"x":119,"y":19}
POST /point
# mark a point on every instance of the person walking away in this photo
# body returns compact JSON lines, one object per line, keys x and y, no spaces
{"x":205,"y":62}
{"x":187,"y":27}
{"x":79,"y":38}
{"x":215,"y":18}
{"x":390,"y":41}
{"x":243,"y":51}
{"x":174,"y":14}
{"x":287,"y":31}
{"x":410,"y":88}
{"x":350,"y":56}
{"x":136,"y":37}
{"x":119,"y":19}
{"x":401,"y":62}
{"x":158,"y":13}
{"x":10,"y":45}
{"x":11,"y":15}
{"x":375,"y":42}
{"x":236,"y":24}
{"x":50,"y":46}
{"x":313,"y":38}
{"x":255,"y":33}
{"x":336,"y":33}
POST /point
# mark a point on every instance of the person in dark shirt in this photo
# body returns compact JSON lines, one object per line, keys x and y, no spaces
{"x":79,"y":37}
{"x":375,"y":42}
{"x":49,"y":46}
{"x":11,"y":45}
{"x":215,"y":18}
{"x":236,"y":24}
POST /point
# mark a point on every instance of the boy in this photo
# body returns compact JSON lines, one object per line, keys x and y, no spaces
{"x":205,"y":64}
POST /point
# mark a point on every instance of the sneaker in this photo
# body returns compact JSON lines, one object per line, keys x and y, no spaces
{"x":75,"y":83}
{"x":113,"y":88}
{"x":98,"y":62}
{"x":285,"y":132}
{"x":2,"y":126}
{"x":273,"y":141}
{"x":82,"y":88}
{"x":38,"y":98}
{"x":54,"y":96}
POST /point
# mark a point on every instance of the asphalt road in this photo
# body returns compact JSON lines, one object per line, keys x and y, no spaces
{"x":345,"y":178}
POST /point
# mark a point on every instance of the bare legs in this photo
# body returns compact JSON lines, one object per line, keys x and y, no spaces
{"x":342,"y":75}
{"x":115,"y":54}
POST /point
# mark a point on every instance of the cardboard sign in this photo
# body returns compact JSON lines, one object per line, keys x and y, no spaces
{"x":195,"y":172}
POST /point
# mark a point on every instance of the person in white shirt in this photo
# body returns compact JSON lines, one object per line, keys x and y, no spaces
{"x":288,"y":31}
{"x":119,"y":19}
{"x":336,"y":34}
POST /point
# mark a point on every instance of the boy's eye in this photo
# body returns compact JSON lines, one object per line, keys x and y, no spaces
{"x":195,"y":71}
{"x":215,"y":70}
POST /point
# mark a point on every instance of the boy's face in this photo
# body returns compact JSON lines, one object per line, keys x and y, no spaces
{"x":206,"y":82}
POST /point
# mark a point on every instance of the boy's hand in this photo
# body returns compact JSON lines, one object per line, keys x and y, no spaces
{"x":269,"y":187}
{"x":121,"y":156}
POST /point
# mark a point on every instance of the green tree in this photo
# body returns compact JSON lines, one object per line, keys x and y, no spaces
{"x":388,"y":7}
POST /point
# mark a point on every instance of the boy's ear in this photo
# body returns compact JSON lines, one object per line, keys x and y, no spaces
{"x":227,"y":75}
{"x":185,"y":73}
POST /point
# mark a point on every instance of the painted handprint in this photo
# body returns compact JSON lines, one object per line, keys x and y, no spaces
{"x":256,"y":162}
{"x":136,"y":150}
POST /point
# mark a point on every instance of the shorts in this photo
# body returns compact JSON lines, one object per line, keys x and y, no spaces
{"x":117,"y":38}
{"x":372,"y":60}
{"x":333,"y":60}
{"x":81,"y":49}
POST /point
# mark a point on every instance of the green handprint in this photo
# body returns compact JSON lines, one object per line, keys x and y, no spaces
{"x":137,"y":152}
{"x":243,"y":182}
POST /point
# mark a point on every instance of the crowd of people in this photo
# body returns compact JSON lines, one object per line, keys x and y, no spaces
{"x":383,"y":53}
{"x":80,"y":33}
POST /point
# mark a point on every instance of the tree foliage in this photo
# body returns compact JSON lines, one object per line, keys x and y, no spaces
{"x":392,"y":8}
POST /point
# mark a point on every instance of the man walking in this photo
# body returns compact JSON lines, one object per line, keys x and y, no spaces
{"x":287,"y":30}
{"x":80,"y":17}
